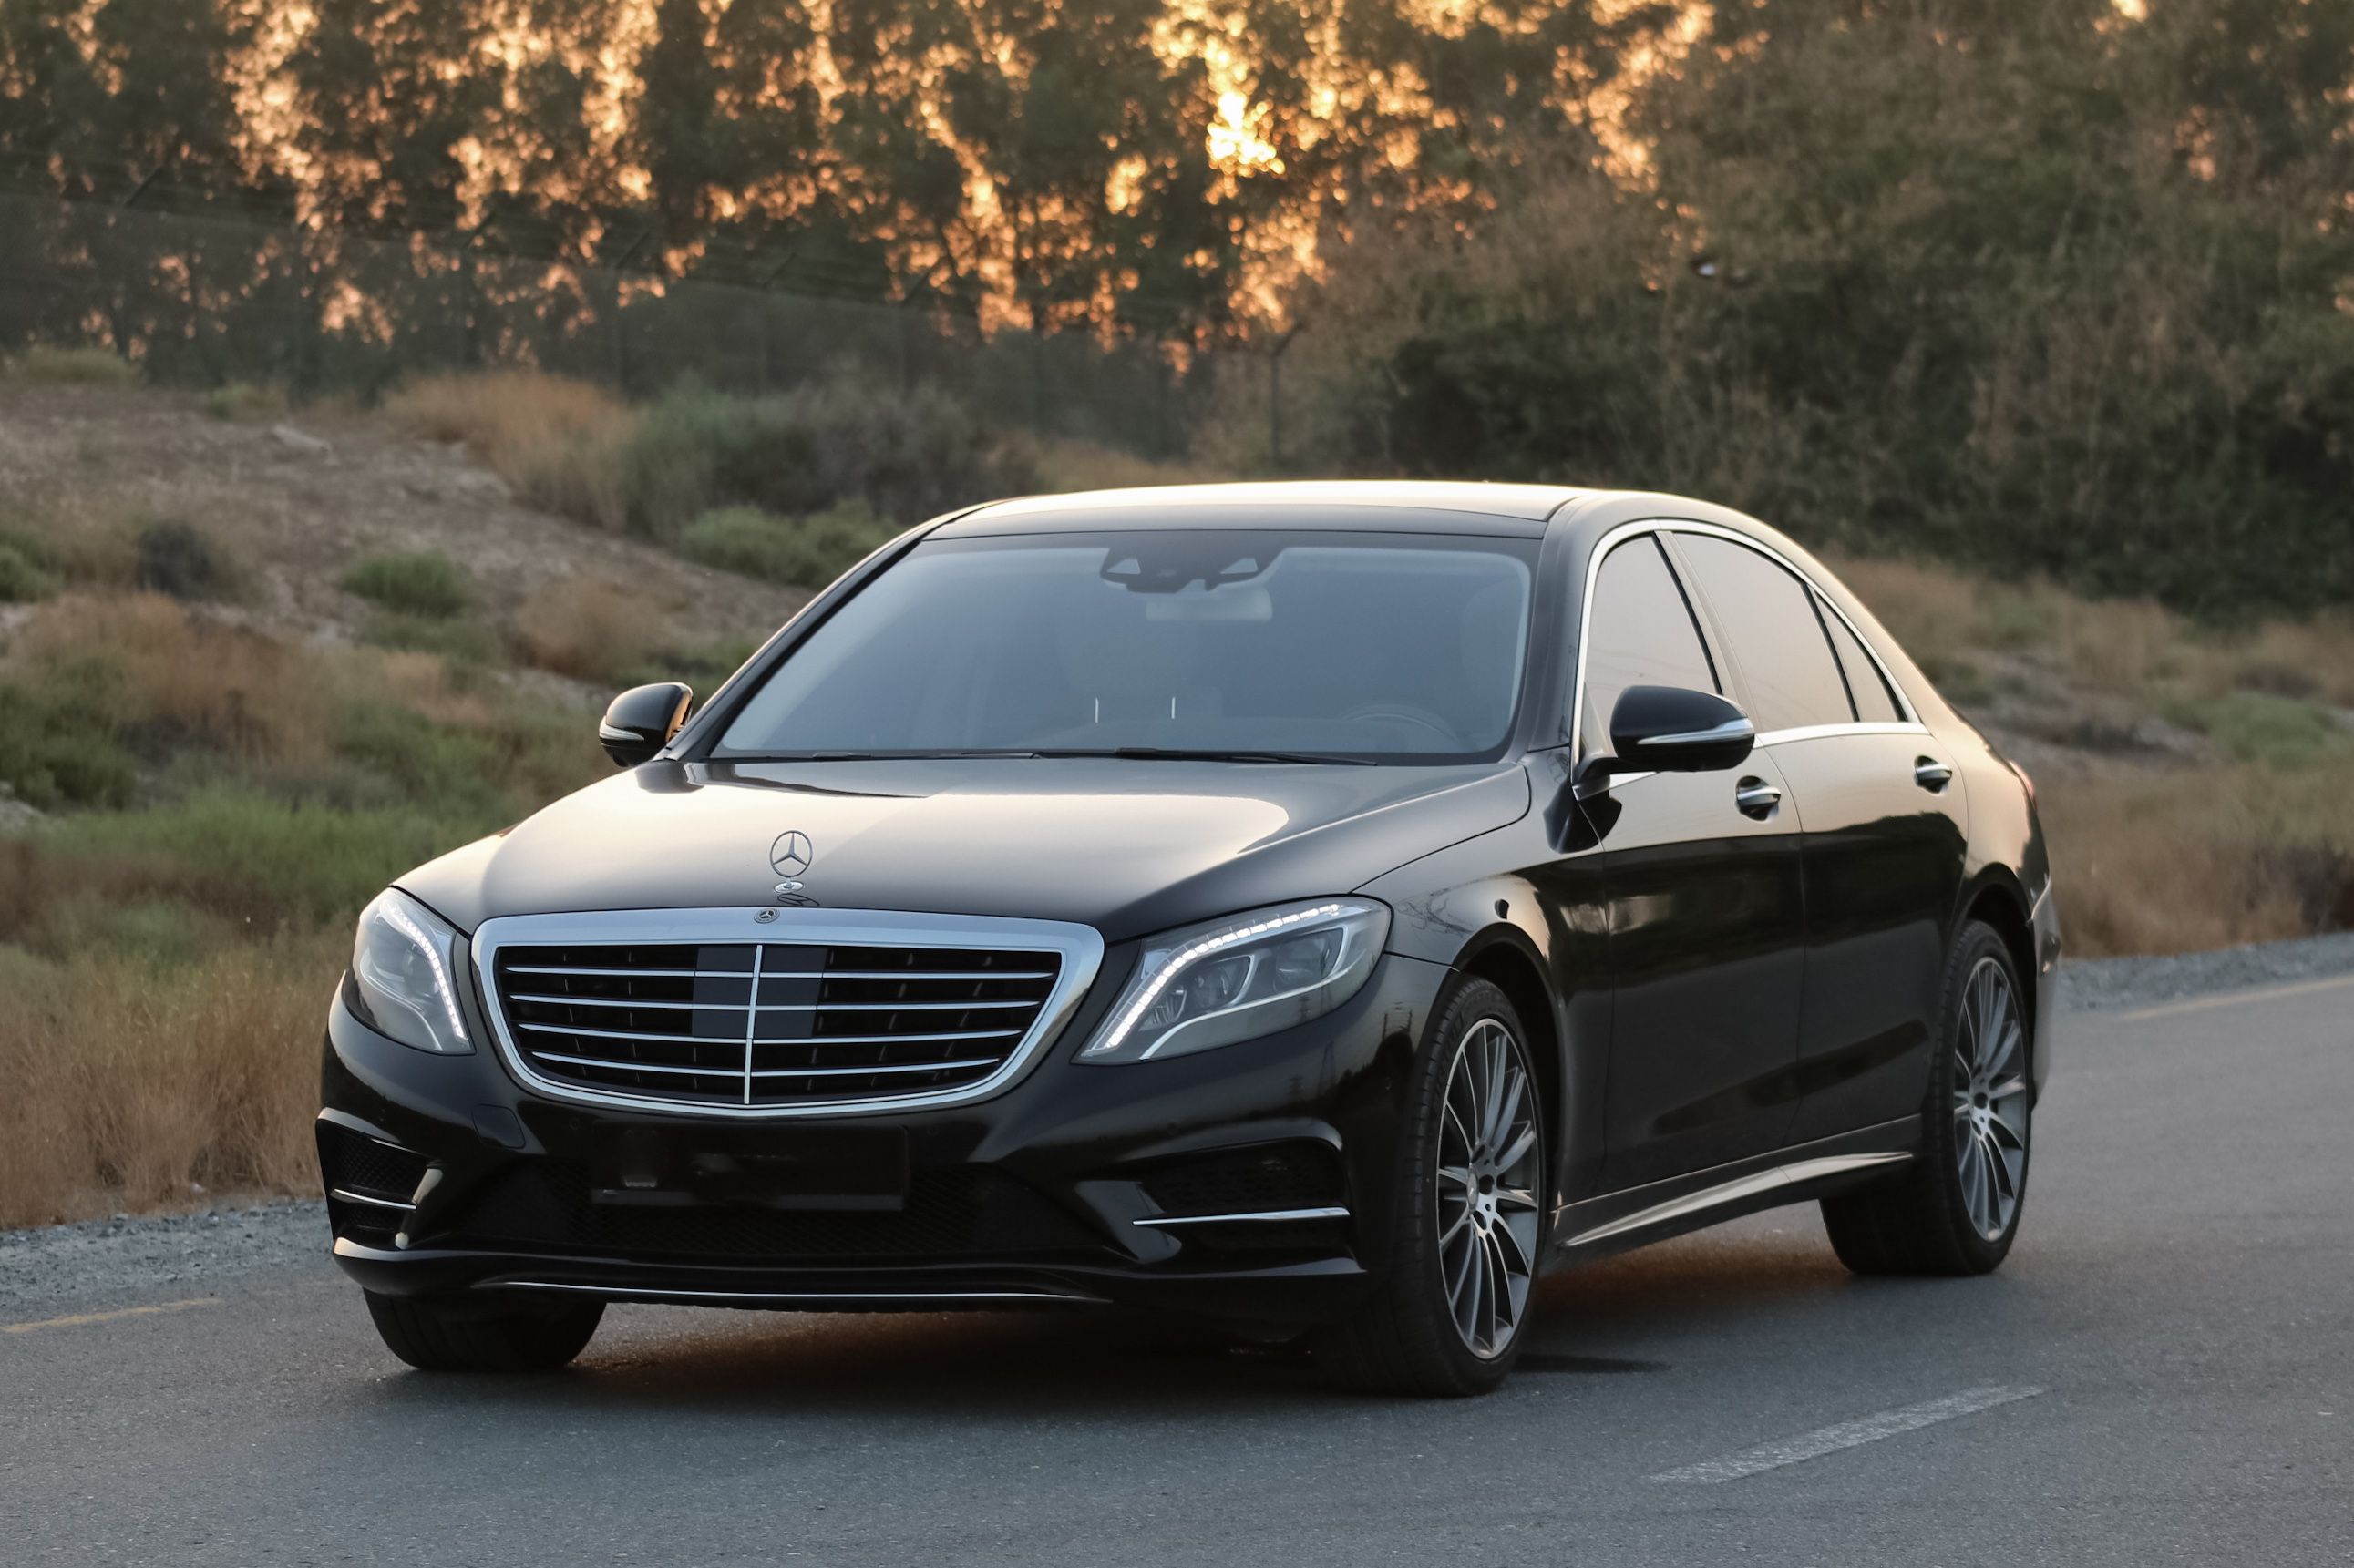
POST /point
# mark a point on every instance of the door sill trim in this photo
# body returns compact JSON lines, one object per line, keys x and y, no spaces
{"x":1758,"y":1183}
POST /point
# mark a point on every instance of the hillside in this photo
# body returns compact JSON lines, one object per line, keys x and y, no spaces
{"x":293,"y":502}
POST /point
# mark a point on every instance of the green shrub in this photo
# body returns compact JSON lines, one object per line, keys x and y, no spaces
{"x":58,"y":749}
{"x":22,"y":579}
{"x":150,"y":932}
{"x":252,"y":858}
{"x":469,"y":647}
{"x":692,"y":448}
{"x":243,"y":401}
{"x":807,"y":552}
{"x":415,"y":760}
{"x":417,"y":583}
{"x":902,"y":455}
{"x":2272,"y":732}
{"x":88,"y":367}
{"x":177,"y":560}
{"x":703,"y":668}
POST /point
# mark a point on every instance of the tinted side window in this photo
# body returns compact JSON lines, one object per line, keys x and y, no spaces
{"x":1767,"y":617}
{"x":1874,"y":702}
{"x":1642,"y":635}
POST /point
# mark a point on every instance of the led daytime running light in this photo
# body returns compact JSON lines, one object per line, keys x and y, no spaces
{"x":1183,"y":957}
{"x":443,"y":989}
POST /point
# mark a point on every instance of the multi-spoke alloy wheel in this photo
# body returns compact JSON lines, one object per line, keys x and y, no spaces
{"x":1989,"y":1101}
{"x":1461,"y":1231}
{"x":1956,"y":1208}
{"x":1488,"y":1181}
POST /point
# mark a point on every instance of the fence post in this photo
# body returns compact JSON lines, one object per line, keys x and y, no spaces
{"x":1037,"y":380}
{"x":621,"y":339}
{"x":767,"y":309}
{"x":1275,"y":400}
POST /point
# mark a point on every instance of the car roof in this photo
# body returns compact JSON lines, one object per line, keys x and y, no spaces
{"x":1372,"y":505}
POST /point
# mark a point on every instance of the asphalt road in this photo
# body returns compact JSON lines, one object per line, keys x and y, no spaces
{"x":2164,"y":1373}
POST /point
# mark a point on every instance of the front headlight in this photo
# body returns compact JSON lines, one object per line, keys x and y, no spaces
{"x":1241,"y":978}
{"x":405,"y":966}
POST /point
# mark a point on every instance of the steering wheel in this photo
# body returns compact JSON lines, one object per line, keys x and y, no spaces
{"x":1407,"y":713}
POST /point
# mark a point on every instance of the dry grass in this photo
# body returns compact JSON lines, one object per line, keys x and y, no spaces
{"x":585,"y":628}
{"x":511,"y":418}
{"x":560,"y":443}
{"x":79,"y":542}
{"x":132,"y":1086}
{"x":2167,"y":863}
{"x":49,"y":365}
{"x":2234,"y":831}
{"x":1948,"y":619}
{"x":173,"y":675}
{"x":1066,"y":465}
{"x":244,"y":694}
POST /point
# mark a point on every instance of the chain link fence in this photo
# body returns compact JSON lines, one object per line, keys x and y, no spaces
{"x":200,"y":299}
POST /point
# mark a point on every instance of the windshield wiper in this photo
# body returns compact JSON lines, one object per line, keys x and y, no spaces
{"x":1177,"y":754}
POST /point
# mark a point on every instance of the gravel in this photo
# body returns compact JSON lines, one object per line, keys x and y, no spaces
{"x":2106,"y":985}
{"x":127,"y":1255}
{"x":172,"y":1253}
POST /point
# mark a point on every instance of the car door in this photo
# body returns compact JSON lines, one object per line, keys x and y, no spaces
{"x":1705,"y":902}
{"x":1883,"y":835}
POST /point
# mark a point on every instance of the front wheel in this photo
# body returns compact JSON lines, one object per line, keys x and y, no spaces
{"x":436,"y":1336}
{"x":1449,"y":1312}
{"x":1956,"y":1210}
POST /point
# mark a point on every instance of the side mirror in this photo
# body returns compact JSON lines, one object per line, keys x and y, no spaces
{"x":1666,"y":729}
{"x":641,"y":721}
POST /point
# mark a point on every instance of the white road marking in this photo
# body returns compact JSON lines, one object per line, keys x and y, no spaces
{"x":1846,"y":1435}
{"x":2234,"y":999}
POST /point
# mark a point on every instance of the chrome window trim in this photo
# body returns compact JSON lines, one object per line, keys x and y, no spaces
{"x":1627,"y":532}
{"x":1820,"y":731}
{"x":1080,"y":947}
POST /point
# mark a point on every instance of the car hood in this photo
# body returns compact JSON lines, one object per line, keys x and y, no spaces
{"x":1126,"y":846}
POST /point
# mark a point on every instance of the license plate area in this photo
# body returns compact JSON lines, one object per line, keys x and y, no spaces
{"x":805,"y":1168}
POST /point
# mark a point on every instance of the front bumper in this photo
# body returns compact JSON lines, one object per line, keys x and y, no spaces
{"x":1079,"y":1184}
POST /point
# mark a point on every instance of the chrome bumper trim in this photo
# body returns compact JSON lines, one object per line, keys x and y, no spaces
{"x":1262,"y":1217}
{"x":657,"y":1294}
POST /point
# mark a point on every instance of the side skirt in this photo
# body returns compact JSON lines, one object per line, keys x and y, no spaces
{"x":1800,"y":1173}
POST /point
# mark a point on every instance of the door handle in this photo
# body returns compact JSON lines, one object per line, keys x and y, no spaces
{"x":1932,"y":775}
{"x":1756,"y":798}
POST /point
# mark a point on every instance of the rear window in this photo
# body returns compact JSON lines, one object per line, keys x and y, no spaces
{"x":1775,"y":639}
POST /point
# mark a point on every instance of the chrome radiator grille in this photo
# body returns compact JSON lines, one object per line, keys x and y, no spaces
{"x":769,"y":1024}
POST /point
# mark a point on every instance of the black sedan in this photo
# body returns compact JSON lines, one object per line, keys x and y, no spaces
{"x":1316,"y":909}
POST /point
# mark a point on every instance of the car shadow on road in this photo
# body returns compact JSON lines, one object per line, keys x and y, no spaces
{"x":1622,"y":1316}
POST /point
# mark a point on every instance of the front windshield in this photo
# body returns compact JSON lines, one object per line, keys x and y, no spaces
{"x":1393,"y":647}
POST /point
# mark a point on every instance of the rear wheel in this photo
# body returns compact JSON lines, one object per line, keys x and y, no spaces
{"x":437,"y":1336}
{"x":1957,"y":1209}
{"x":1447,"y":1313}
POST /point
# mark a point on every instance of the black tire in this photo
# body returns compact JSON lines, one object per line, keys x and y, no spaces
{"x":1918,"y":1222}
{"x":1406,"y":1340}
{"x":434,"y":1336}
